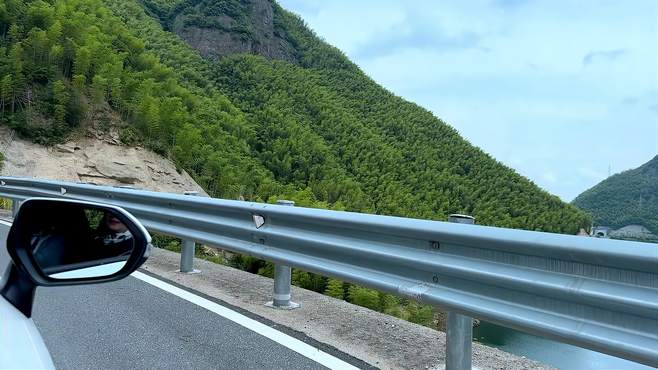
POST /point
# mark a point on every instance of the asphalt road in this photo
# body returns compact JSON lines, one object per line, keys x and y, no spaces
{"x":130,"y":324}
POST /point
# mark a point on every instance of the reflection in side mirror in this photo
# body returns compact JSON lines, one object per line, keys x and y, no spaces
{"x":91,"y":243}
{"x":89,"y":272}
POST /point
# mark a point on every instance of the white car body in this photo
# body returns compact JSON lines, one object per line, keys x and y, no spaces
{"x":21,"y":344}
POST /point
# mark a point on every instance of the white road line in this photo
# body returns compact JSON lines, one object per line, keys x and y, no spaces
{"x":285,"y":340}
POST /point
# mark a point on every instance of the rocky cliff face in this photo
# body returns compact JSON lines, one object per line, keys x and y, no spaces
{"x":221,"y":28}
{"x":95,"y":159}
{"x":634,"y":232}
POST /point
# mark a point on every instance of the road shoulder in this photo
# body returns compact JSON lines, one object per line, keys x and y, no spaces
{"x":377,"y":339}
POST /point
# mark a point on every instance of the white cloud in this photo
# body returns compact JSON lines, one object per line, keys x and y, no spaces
{"x":592,"y":173}
{"x":603,"y":55}
{"x":549,"y":177}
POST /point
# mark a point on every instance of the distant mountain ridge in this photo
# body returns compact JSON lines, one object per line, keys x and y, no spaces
{"x":627,"y":198}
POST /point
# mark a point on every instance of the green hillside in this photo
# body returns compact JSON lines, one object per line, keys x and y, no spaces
{"x":252,"y":104}
{"x":628,"y":198}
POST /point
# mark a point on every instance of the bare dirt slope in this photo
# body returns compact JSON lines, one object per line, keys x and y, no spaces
{"x":93,"y":158}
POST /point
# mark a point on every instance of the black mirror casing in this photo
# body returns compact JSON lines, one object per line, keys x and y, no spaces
{"x":26,"y":273}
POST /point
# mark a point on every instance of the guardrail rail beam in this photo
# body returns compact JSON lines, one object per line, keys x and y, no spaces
{"x":599,"y":294}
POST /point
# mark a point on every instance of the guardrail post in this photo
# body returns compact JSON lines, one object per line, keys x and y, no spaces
{"x":187,"y":250}
{"x":459,"y":328}
{"x":15,"y":205}
{"x":282,"y":279}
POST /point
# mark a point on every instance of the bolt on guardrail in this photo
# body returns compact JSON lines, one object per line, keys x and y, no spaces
{"x":459,"y":328}
{"x":282,"y":279}
{"x":187,"y":250}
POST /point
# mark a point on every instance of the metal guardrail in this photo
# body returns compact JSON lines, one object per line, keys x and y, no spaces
{"x":599,"y":294}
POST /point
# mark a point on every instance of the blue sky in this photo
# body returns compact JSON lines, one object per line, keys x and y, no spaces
{"x":559,"y":91}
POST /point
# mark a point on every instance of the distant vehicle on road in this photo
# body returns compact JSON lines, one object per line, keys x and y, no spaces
{"x":58,"y":243}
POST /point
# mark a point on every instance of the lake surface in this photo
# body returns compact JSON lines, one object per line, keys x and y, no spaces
{"x":560,"y":355}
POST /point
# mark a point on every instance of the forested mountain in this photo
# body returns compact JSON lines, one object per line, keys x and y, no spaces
{"x":252,"y":104}
{"x":245,"y":98}
{"x":628,"y":198}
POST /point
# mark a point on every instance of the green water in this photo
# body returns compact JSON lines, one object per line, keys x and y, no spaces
{"x":562,"y":356}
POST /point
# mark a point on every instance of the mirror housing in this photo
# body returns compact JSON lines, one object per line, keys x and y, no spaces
{"x":67,"y":224}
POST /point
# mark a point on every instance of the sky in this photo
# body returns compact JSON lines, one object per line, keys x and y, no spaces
{"x":563,"y":92}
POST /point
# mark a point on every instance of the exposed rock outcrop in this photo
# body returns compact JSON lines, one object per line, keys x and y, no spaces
{"x":252,"y":30}
{"x":94,"y":160}
{"x":634,"y":232}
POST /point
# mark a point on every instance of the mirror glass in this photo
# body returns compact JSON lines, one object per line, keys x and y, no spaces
{"x":79,"y":241}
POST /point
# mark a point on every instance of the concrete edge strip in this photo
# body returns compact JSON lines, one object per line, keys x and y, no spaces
{"x":285,"y":340}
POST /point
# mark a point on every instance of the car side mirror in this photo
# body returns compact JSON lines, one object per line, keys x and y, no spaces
{"x":55,"y":242}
